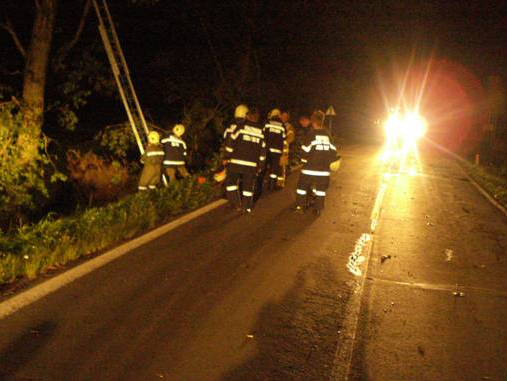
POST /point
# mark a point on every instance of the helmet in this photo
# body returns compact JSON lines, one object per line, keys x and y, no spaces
{"x":178,"y":130}
{"x":335,"y":165}
{"x":275,"y":112}
{"x":154,"y":137}
{"x":241,"y":111}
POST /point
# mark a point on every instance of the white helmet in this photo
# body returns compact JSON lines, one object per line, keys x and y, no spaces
{"x":241,"y":111}
{"x":154,"y":137}
{"x":178,"y":130}
{"x":275,"y":112}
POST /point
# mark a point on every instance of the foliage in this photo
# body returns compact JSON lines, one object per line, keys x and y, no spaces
{"x":23,"y":161}
{"x":96,"y":178}
{"x":75,"y":81}
{"x":204,"y":126}
{"x":33,"y":249}
{"x":118,"y":140}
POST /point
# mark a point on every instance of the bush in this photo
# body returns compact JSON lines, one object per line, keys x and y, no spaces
{"x":96,"y":178}
{"x":33,"y":249}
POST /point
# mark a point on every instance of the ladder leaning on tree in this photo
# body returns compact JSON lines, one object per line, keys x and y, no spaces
{"x":121,"y":73}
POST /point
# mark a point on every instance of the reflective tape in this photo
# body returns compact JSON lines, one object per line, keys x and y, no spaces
{"x":244,"y":162}
{"x":152,"y":186}
{"x":304,"y":161}
{"x":273,"y":176}
{"x":275,"y":150}
{"x":315,"y":173}
{"x":173,"y":162}
{"x":320,"y":193}
{"x":231,"y":188}
{"x":140,"y":187}
{"x":307,"y":148}
{"x":247,"y":194}
{"x":229,"y":149}
{"x":301,"y":192}
{"x":155,"y":153}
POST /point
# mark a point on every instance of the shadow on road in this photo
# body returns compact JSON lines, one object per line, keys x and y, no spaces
{"x":296,"y":338}
{"x":23,"y":349}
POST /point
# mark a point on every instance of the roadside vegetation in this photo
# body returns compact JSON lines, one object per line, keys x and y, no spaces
{"x":491,"y":178}
{"x":53,"y":242}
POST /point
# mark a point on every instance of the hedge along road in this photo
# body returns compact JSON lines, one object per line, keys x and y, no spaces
{"x":221,"y":297}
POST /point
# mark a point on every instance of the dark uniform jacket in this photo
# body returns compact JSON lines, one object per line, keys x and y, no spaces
{"x":275,"y":135}
{"x":246,"y":148}
{"x":175,"y":151}
{"x":153,"y":155}
{"x":318,"y":153}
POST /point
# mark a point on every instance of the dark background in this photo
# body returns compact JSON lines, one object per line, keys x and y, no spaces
{"x":309,"y":53}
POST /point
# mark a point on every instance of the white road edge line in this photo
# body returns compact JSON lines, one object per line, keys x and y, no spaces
{"x":41,"y":290}
{"x":347,"y":335}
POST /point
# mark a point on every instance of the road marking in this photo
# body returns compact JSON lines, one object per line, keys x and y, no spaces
{"x":41,"y":290}
{"x":359,"y":258}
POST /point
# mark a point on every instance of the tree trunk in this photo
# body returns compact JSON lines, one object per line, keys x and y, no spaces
{"x":37,"y":58}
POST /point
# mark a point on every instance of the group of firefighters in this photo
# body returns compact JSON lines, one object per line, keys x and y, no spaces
{"x":255,"y":155}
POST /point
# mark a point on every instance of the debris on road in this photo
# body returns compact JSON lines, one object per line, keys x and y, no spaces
{"x":250,"y":336}
{"x":384,"y":258}
{"x":421,"y":351}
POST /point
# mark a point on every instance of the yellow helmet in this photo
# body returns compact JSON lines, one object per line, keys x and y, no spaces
{"x":275,"y":112}
{"x":335,"y":165}
{"x":178,"y":130}
{"x":241,"y":111}
{"x":154,"y":137}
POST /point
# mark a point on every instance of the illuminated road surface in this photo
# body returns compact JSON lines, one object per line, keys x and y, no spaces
{"x":268,"y":297}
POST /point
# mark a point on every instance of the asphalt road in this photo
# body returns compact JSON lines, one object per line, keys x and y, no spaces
{"x":265,"y":297}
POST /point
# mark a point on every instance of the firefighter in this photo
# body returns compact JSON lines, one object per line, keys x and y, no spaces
{"x":319,"y":157}
{"x":239,"y":119}
{"x":175,"y":153}
{"x":284,"y":160}
{"x":245,"y":152}
{"x":152,"y":160}
{"x":275,"y":137}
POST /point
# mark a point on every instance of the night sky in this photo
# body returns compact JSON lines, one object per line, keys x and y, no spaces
{"x":310,"y":53}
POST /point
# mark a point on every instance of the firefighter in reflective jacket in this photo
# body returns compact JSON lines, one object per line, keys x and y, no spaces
{"x":319,"y":156}
{"x":275,"y":136}
{"x":239,"y":119}
{"x":175,"y":153}
{"x":152,"y":159}
{"x":245,"y":153}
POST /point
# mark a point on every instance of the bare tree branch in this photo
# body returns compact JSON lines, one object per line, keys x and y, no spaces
{"x":65,"y":49}
{"x":7,"y":25}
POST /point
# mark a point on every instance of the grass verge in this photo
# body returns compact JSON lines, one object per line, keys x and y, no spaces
{"x":492,"y":183}
{"x":51,"y":243}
